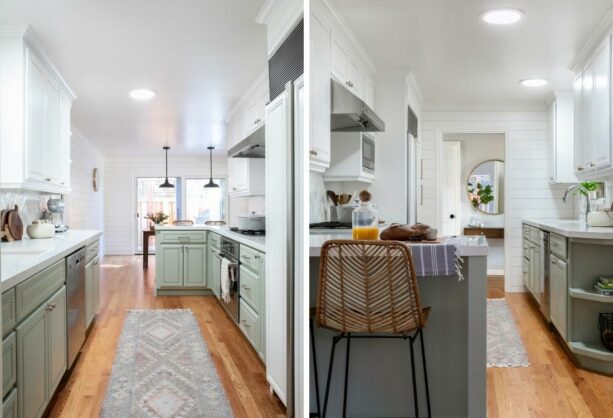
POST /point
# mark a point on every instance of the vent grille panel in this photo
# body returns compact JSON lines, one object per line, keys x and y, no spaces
{"x":288,"y":62}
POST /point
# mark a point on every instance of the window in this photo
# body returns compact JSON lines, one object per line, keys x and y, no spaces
{"x":150,"y":198}
{"x":204,"y":204}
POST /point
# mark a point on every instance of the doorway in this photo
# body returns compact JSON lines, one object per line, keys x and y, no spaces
{"x":151,"y":198}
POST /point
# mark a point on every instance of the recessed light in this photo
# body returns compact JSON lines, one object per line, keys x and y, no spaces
{"x":142,"y":94}
{"x":533,"y":82}
{"x":502,"y":16}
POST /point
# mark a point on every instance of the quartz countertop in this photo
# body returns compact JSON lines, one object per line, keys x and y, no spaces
{"x":21,"y":259}
{"x":467,"y":246}
{"x":571,"y":228}
{"x":257,"y":242}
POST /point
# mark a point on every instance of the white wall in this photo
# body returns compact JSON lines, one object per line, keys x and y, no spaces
{"x":84,"y":208}
{"x":119,"y":193}
{"x":528,"y":193}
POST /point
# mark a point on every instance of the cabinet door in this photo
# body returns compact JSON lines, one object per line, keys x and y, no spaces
{"x":600,"y":120}
{"x":170,"y":268}
{"x":89,"y":293}
{"x":262,"y":352}
{"x":558,"y":294}
{"x":578,"y":131}
{"x":354,"y":75}
{"x":214,"y":268}
{"x":96,"y":282}
{"x":368,"y":91}
{"x":237,"y":174}
{"x":252,"y":114}
{"x":52,"y":147}
{"x":9,"y":405}
{"x":32,"y":364}
{"x":587,"y":102}
{"x":56,"y":343}
{"x":65,"y":135}
{"x":36,"y":102}
{"x":526,"y":272}
{"x":319,"y":149}
{"x":264,"y":99}
{"x":194,"y":273}
{"x":338,"y":57}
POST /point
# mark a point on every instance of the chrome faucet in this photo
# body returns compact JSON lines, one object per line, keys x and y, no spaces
{"x":586,"y":194}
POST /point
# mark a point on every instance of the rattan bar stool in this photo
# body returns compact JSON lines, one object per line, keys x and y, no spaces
{"x":368,"y":289}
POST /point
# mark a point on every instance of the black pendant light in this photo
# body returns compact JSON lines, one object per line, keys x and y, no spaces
{"x":166,"y":184}
{"x":210,"y":184}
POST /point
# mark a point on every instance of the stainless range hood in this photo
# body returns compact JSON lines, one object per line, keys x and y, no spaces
{"x":351,"y":114}
{"x":250,"y":147}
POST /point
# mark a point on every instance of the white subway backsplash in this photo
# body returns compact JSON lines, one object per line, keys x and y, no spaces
{"x":30,"y":204}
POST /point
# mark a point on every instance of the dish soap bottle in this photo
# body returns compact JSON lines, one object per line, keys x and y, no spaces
{"x":365,"y":219}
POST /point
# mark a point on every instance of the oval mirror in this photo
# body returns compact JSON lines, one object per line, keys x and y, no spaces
{"x":485,"y":188}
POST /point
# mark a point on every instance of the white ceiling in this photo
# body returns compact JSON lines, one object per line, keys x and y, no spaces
{"x":461,"y":62}
{"x":198,"y":55}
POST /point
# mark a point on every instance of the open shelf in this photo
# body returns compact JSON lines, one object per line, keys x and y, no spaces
{"x":588,"y":294}
{"x":592,"y":349}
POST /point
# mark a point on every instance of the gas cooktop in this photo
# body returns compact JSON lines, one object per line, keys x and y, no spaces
{"x":248,"y":232}
{"x":330,"y":225}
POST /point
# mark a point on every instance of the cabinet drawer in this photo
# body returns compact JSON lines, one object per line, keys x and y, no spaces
{"x":535,"y":235}
{"x":527,"y":250}
{"x":9,"y":406}
{"x":250,"y":289}
{"x":9,"y":363}
{"x":525,"y":231}
{"x":250,"y":258}
{"x":8,"y":311}
{"x":557,"y":245}
{"x":91,"y":251}
{"x":181,"y":237}
{"x":250,"y":324}
{"x":30,"y":294}
{"x":214,"y":240}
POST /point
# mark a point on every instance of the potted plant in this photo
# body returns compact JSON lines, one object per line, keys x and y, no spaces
{"x":156,"y":217}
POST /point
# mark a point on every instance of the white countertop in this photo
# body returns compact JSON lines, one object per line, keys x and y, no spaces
{"x":253,"y":241}
{"x":467,"y":246}
{"x":22,"y":259}
{"x":571,"y":228}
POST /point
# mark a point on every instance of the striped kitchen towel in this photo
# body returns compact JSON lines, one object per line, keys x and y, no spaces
{"x":436,"y":259}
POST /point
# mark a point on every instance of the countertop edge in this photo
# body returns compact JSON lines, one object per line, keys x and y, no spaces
{"x":23,"y":275}
{"x":601,"y":233}
{"x":242,"y":239}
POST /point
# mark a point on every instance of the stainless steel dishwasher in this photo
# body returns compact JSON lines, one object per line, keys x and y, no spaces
{"x":75,"y":289}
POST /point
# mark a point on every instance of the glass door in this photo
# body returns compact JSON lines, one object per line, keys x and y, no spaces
{"x":150,"y":199}
{"x":204,"y":204}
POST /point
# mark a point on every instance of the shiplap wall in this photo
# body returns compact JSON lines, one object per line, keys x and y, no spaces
{"x":119,"y":185}
{"x":84,"y":208}
{"x":528,"y":192}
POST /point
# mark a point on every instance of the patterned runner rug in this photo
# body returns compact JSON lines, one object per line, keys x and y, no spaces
{"x":163,"y":369}
{"x":504,"y":345}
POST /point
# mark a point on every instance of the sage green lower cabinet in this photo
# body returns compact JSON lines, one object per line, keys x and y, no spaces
{"x":214,"y":268}
{"x":169,"y":266}
{"x":41,"y":355}
{"x":558,"y":295}
{"x":92,"y":290}
{"x":194,"y":265}
{"x":9,"y":405}
{"x":9,"y":363}
{"x":8,"y":311}
{"x":252,"y":297}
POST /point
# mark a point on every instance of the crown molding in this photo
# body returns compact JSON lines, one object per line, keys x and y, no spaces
{"x":255,"y":85}
{"x":605,"y":26}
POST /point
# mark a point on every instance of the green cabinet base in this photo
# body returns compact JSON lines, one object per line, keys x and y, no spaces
{"x":185,"y":292}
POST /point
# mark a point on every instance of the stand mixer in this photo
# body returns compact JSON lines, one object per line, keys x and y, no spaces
{"x":56,"y":214}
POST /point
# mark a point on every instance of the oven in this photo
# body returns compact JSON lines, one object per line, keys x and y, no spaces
{"x":368,"y":153}
{"x":229,"y":251}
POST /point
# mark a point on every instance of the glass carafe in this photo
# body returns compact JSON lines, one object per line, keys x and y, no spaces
{"x":365,"y":220}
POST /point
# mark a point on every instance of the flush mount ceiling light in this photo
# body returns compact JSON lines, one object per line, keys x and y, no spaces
{"x":504,"y":16}
{"x":211,"y":184}
{"x":533,"y":82}
{"x":166,"y":184}
{"x":142,"y":94}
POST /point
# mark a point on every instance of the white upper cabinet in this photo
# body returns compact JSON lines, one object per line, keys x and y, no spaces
{"x":246,"y":177}
{"x":592,"y":91}
{"x":561,"y":136}
{"x":36,"y":127}
{"x":339,"y":55}
{"x":347,"y":68}
{"x":368,"y":90}
{"x":320,"y":106}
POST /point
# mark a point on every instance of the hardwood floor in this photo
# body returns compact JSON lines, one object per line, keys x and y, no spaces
{"x":552,"y":386}
{"x":125,"y":286}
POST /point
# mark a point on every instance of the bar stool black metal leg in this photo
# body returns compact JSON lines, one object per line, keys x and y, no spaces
{"x":415,"y":402}
{"x":315,"y":372}
{"x":423,"y":359}
{"x":335,"y":340}
{"x":346,"y":375}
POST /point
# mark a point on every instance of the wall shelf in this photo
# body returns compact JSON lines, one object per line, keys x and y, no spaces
{"x":587,"y":294}
{"x":591,"y":349}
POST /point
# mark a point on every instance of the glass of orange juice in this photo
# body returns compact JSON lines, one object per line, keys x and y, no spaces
{"x":365,"y":219}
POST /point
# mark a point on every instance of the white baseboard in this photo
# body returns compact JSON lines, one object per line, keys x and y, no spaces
{"x":495,"y":272}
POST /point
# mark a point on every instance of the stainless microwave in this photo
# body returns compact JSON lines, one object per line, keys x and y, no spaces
{"x":368,"y":153}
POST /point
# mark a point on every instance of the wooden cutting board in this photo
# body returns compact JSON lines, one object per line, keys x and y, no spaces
{"x":4,"y":217}
{"x":15,"y":225}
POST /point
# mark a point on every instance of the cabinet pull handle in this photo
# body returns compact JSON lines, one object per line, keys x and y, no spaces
{"x":244,"y":286}
{"x":245,"y":324}
{"x":313,"y":152}
{"x":592,"y":164}
{"x":246,"y":257}
{"x":579,"y":168}
{"x":47,"y":179}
